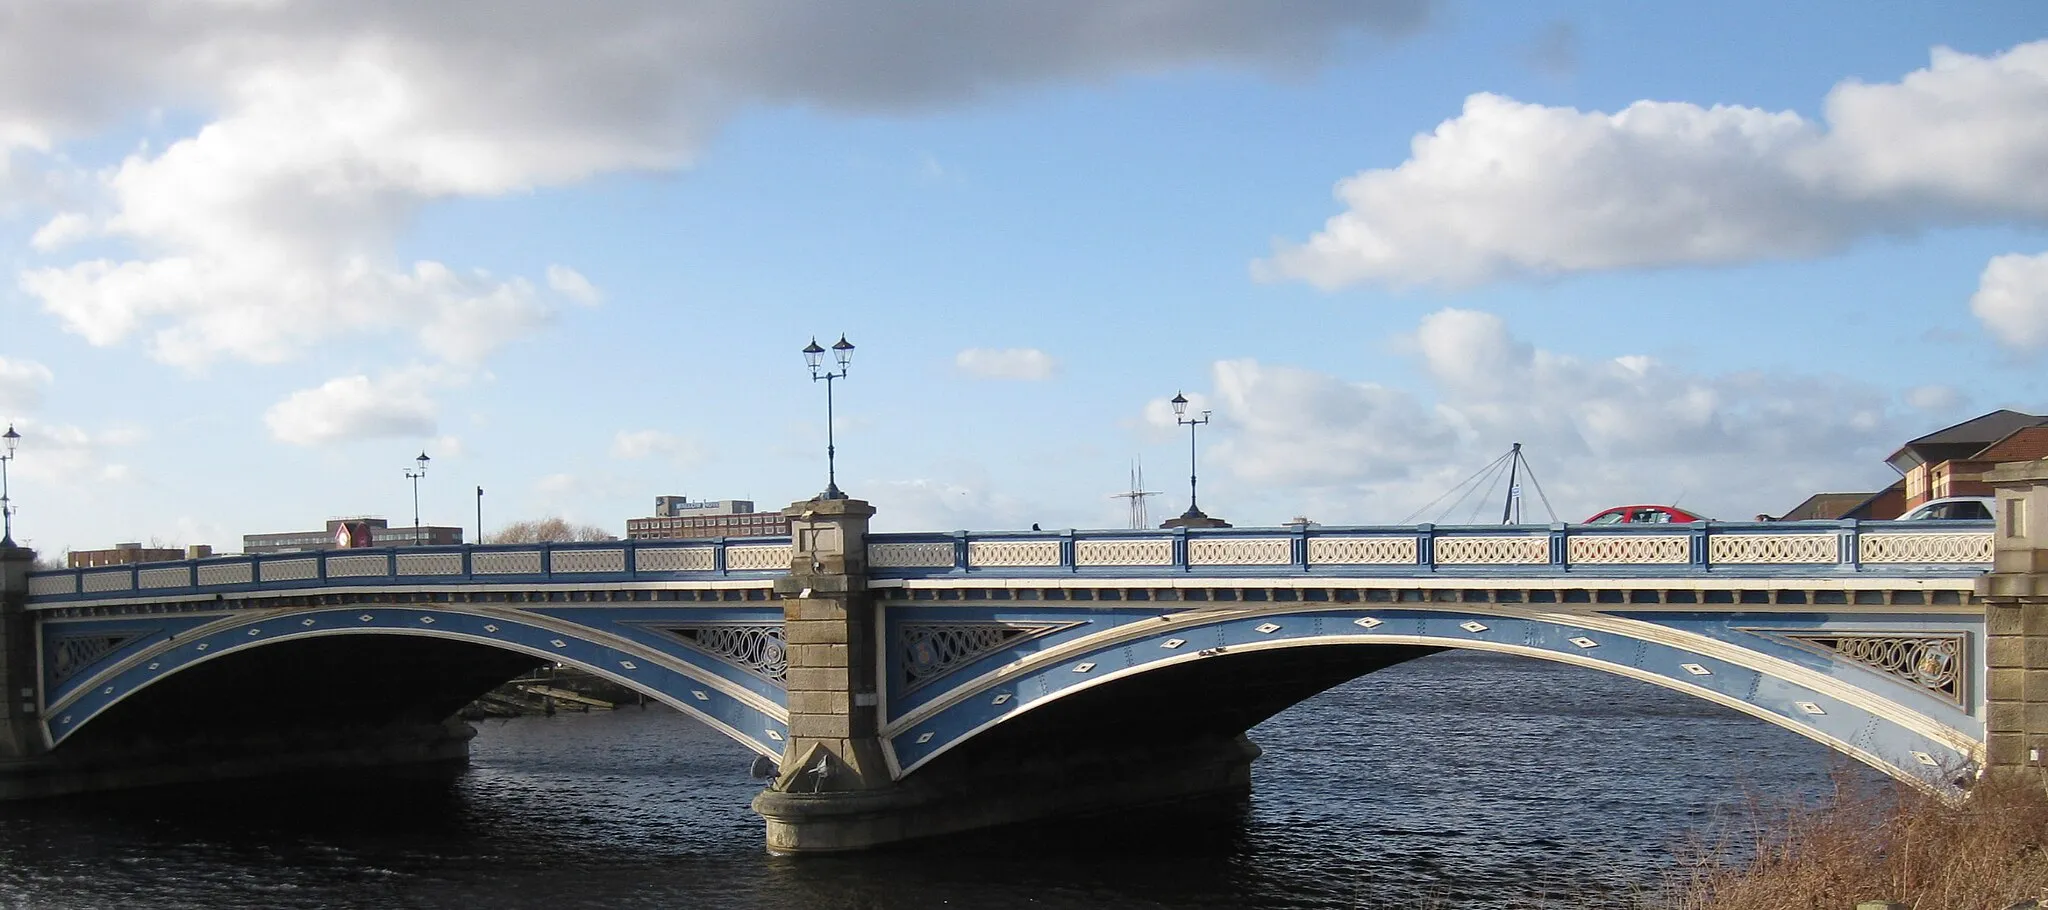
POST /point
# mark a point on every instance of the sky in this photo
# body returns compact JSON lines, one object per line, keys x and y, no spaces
{"x":257,"y":255}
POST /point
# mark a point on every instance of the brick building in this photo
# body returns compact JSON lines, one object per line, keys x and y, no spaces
{"x":676,"y":517}
{"x":342,"y":533}
{"x":1952,"y":461}
{"x":122,"y":554}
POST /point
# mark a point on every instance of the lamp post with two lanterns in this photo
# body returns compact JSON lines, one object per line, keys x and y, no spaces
{"x":415,"y":476}
{"x":1193,"y":517}
{"x":6,"y":505}
{"x":842,"y":352}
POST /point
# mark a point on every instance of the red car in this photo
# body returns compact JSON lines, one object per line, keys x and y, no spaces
{"x":1643,"y":515}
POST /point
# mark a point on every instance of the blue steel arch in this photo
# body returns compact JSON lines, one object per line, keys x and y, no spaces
{"x":1851,"y":709}
{"x":159,"y":651}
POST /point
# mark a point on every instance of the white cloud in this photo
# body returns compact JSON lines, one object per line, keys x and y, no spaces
{"x":571,"y":284}
{"x":1509,"y":189}
{"x":2012,"y":300}
{"x":73,"y":456}
{"x":22,"y":383}
{"x":637,"y":444}
{"x":1598,"y":432}
{"x":1027,"y":364}
{"x":61,"y":230}
{"x":1934,"y":398}
{"x":327,"y":126}
{"x":397,"y":404}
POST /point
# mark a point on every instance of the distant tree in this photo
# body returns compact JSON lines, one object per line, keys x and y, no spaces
{"x":547,"y":530}
{"x":59,"y":560}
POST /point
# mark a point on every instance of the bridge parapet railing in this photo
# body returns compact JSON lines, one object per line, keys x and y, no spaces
{"x":1741,"y":549}
{"x":552,"y":563}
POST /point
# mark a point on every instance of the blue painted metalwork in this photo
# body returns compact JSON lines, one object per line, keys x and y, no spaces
{"x":981,"y":626}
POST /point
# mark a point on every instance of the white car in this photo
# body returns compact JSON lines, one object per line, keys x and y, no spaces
{"x":1954,"y":508}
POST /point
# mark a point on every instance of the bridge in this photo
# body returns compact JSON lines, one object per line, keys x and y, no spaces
{"x":908,"y":685}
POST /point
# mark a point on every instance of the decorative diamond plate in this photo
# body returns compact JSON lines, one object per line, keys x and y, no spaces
{"x":1157,"y":552}
{"x":774,"y":735}
{"x":1696,"y":669}
{"x":1084,"y":666}
{"x":1767,"y":549}
{"x":558,"y":643}
{"x":924,"y":737}
{"x":309,"y":622}
{"x":289,"y":570}
{"x":1626,"y":549}
{"x":1583,"y":642}
{"x":629,"y":665}
{"x":1266,"y":628}
{"x":179,"y":577}
{"x":758,"y":558}
{"x":1492,"y":551}
{"x":1362,"y":551}
{"x":700,"y":695}
{"x":587,"y":561}
{"x":426,"y":620}
{"x":232,"y":573}
{"x":1472,"y":625}
{"x":1173,"y":643}
{"x":366,"y":617}
{"x":1241,"y":551}
{"x":672,"y":559}
{"x":1368,"y":622}
{"x":357,"y":566}
{"x":117,"y":580}
{"x":1002,"y":699}
{"x":491,"y":627}
{"x":430,"y":564}
{"x":1811,"y":708}
{"x":517,"y":562}
{"x":1944,"y":548}
{"x":910,"y":555}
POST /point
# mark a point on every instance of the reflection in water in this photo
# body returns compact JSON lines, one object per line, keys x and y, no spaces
{"x":1458,"y":780}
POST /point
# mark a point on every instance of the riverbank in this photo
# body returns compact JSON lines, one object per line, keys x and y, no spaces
{"x":547,"y":690}
{"x":1877,"y":842}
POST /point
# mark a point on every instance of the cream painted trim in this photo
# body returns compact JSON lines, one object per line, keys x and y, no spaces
{"x":605,"y":639}
{"x":717,"y":584}
{"x":1627,"y":628}
{"x":1438,"y":582}
{"x":1861,"y":755}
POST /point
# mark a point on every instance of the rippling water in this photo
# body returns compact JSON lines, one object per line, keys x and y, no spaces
{"x":1456,"y":780}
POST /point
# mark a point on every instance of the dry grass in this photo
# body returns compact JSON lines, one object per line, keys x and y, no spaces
{"x":1871,"y":842}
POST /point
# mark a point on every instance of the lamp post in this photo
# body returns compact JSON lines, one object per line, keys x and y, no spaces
{"x":6,"y":505}
{"x":842,"y":352}
{"x":415,"y":476}
{"x":1180,"y":410}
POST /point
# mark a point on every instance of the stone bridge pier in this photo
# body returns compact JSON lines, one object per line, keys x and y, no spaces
{"x":836,"y":788}
{"x":20,"y":742}
{"x":2015,"y":595}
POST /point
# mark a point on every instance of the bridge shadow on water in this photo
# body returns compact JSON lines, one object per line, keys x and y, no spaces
{"x":1454,"y":780}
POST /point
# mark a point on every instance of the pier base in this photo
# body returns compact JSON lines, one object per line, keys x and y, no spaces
{"x":994,"y":792}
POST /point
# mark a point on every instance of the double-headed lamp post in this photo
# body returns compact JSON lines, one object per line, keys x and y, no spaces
{"x":6,"y":505}
{"x":415,"y":476}
{"x":1180,"y":410}
{"x":842,"y":352}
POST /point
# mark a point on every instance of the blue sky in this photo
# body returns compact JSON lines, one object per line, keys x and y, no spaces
{"x":1731,"y":254}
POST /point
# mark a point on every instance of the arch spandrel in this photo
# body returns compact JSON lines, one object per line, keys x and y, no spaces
{"x":1829,"y":702}
{"x":695,"y":688}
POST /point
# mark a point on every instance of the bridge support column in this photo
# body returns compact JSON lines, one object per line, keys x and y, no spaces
{"x":834,"y":790}
{"x":2015,"y":595}
{"x":19,"y":738}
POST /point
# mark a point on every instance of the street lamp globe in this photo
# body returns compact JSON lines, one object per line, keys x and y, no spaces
{"x":11,"y":437}
{"x":1180,"y":405}
{"x":814,"y":355}
{"x":842,"y":351}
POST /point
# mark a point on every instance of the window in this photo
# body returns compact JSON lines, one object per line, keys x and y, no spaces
{"x":1610,"y":517}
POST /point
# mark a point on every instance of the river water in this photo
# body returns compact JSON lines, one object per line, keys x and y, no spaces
{"x":1458,"y":780}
